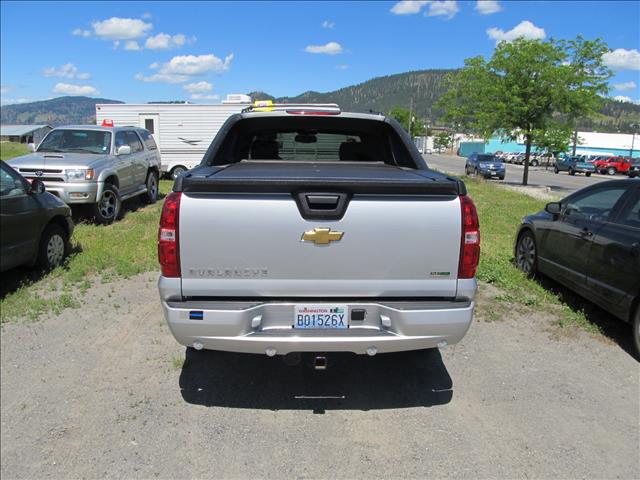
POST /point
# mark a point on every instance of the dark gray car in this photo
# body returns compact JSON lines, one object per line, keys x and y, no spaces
{"x":35,"y":226}
{"x":590,"y":242}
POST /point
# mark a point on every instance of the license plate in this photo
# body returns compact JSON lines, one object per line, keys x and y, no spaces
{"x":325,"y":317}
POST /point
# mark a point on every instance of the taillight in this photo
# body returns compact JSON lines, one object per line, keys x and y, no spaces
{"x":470,"y":242}
{"x":168,"y":238}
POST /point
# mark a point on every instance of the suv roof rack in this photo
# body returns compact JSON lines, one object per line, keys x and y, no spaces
{"x":294,"y":108}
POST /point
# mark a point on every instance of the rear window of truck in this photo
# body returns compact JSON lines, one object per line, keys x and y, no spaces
{"x":304,"y":139}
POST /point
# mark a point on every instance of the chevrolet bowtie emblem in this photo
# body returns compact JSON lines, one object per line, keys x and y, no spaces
{"x":321,"y":236}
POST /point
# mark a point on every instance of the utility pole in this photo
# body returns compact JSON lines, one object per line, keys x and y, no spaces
{"x":575,"y":141}
{"x":410,"y":115}
{"x":633,"y":139}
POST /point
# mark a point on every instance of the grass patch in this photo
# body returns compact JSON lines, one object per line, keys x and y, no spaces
{"x":10,"y":150}
{"x":121,"y":250}
{"x":501,"y":211}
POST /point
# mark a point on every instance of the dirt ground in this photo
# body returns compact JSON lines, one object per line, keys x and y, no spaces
{"x":106,"y":392}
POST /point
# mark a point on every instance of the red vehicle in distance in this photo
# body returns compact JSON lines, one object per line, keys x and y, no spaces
{"x":613,"y":165}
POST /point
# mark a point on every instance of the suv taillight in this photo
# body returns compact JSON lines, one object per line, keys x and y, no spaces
{"x":168,"y":239}
{"x":470,"y":242}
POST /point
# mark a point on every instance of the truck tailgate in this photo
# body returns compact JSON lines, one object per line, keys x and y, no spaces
{"x":252,"y":242}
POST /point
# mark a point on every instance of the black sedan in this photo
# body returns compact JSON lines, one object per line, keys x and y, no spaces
{"x":590,"y":242}
{"x":35,"y":226}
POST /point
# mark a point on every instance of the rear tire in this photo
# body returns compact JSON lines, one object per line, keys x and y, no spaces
{"x":177,"y":171}
{"x":588,"y":174}
{"x":151,"y":196}
{"x":54,"y":247}
{"x":572,"y":171}
{"x":527,"y":254}
{"x":107,"y":209}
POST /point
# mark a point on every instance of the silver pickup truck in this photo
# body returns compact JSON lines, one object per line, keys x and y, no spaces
{"x":95,"y":166}
{"x":308,"y":229}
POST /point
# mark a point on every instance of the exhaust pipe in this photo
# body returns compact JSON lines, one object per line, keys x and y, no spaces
{"x":320,"y":363}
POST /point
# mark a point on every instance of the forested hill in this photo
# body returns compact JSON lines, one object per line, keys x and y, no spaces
{"x":54,"y":112}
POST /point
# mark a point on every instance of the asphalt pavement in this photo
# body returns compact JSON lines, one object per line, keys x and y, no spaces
{"x":560,"y":184}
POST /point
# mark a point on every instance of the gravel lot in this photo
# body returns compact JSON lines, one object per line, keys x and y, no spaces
{"x":103,"y":392}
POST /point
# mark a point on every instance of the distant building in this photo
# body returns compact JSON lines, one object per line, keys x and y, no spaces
{"x":23,"y":133}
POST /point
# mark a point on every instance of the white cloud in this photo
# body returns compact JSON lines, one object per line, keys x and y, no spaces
{"x":132,"y":45}
{"x":408,"y":7}
{"x":164,"y":41}
{"x":81,"y":33}
{"x":116,"y":44}
{"x":68,"y":70}
{"x":328,"y":24}
{"x":622,"y":98}
{"x":162,"y":77}
{"x":331,"y":48}
{"x":524,"y":29}
{"x":621,"y":87}
{"x":4,"y":89}
{"x":342,"y":66}
{"x":198,"y":87}
{"x":200,"y":96}
{"x":116,"y":28}
{"x":68,"y":89}
{"x":146,"y":15}
{"x":488,"y":7}
{"x":445,"y":8}
{"x":181,"y":68}
{"x":621,"y":59}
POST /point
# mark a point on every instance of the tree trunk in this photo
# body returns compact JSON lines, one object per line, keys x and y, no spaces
{"x":527,"y":154}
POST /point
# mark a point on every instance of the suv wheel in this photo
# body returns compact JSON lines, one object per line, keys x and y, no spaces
{"x":152,"y":187}
{"x":177,"y":171}
{"x":571,"y":171}
{"x":611,"y":171}
{"x":587,"y":174}
{"x":53,"y":248}
{"x":533,"y":163}
{"x":526,"y":254}
{"x":108,"y":207}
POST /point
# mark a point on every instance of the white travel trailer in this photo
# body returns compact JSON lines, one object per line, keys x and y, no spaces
{"x":183,"y":131}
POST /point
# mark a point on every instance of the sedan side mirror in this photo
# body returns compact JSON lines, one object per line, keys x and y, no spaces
{"x":123,"y":150}
{"x":31,"y":147}
{"x":37,"y":187}
{"x":554,"y":208}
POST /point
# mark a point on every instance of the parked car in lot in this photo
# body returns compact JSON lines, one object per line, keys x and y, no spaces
{"x":35,"y":226}
{"x":613,"y":165}
{"x":634,"y":169}
{"x":95,"y":166}
{"x":574,"y":165}
{"x":590,"y":242}
{"x":330,"y":255}
{"x":486,"y":165}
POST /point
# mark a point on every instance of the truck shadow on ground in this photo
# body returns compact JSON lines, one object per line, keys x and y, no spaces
{"x":350,"y":382}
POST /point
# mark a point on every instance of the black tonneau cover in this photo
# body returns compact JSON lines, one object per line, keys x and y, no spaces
{"x":290,"y":177}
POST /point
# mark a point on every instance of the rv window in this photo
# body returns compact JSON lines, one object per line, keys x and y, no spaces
{"x":148,"y":124}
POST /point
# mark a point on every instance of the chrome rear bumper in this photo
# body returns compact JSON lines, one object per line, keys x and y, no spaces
{"x":266,"y":326}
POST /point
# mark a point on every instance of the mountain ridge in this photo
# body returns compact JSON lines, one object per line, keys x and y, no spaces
{"x":417,"y":89}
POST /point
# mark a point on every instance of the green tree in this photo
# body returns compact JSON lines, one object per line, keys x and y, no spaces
{"x":410,"y":122}
{"x":442,"y":141}
{"x":526,"y":86}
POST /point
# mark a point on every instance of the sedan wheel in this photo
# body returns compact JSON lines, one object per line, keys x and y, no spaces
{"x":53,"y":247}
{"x":526,"y":255}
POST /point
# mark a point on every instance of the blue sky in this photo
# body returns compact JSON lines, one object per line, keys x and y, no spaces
{"x":197,"y":51}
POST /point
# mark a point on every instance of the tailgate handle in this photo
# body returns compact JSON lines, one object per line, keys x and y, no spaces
{"x":322,"y":202}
